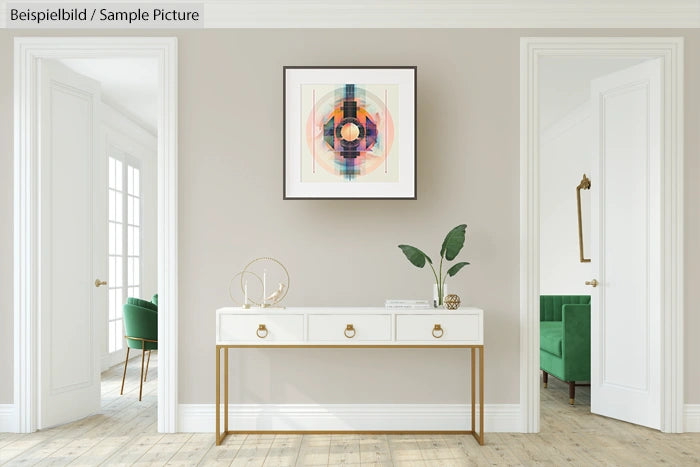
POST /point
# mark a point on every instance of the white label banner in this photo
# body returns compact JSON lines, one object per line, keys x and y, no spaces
{"x":55,"y":15}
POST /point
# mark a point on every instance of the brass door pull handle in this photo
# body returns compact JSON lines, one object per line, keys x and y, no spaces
{"x":592,"y":283}
{"x":349,"y":328}
{"x":584,"y":185}
{"x":437,"y":329}
{"x":261,"y":328}
{"x":99,"y":282}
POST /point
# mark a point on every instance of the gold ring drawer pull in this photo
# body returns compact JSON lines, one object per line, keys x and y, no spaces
{"x":348,"y":329}
{"x":437,"y":329}
{"x":262,"y":331}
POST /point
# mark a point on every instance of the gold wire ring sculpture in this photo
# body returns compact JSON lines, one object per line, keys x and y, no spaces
{"x":241,"y":274}
{"x":273,"y":260}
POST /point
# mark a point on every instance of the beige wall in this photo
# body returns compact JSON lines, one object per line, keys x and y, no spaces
{"x":344,"y":252}
{"x":692,"y":218}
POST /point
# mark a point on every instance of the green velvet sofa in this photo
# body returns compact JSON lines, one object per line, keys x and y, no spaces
{"x":565,"y":339}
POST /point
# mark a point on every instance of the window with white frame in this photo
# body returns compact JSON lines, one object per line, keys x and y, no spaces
{"x":124,"y":241}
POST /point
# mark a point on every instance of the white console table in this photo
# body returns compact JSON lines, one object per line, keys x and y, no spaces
{"x":348,"y":327}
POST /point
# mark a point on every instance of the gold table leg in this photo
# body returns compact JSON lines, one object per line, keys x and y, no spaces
{"x":225,"y":391}
{"x":481,"y":396}
{"x":218,"y":395}
{"x":473,"y":381}
{"x":479,"y":437}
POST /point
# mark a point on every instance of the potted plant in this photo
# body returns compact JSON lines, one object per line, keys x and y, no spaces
{"x":451,"y":246}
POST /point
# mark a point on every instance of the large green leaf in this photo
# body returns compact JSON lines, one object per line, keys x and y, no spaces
{"x":455,"y":268}
{"x":415,"y":256}
{"x":453,"y":243}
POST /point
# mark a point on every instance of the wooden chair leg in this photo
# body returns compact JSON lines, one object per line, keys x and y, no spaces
{"x":545,"y":378}
{"x":143,"y":354}
{"x":124,"y":377}
{"x":572,"y":392}
{"x":147,"y":362}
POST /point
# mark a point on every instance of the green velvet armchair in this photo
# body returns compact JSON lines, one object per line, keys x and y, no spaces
{"x":141,"y":326}
{"x":565,"y":339}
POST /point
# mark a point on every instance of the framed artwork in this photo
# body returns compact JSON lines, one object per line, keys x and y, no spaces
{"x":349,"y":132}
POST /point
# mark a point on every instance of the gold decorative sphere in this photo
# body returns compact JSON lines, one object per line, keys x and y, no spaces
{"x":452,"y":301}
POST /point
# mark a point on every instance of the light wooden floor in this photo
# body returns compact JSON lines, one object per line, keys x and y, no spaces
{"x":125,"y":433}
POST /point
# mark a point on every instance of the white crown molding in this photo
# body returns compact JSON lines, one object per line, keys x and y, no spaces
{"x":133,"y":118}
{"x":451,"y":14}
{"x":564,"y":124}
{"x":121,"y":124}
{"x":353,"y":417}
{"x":438,"y":13}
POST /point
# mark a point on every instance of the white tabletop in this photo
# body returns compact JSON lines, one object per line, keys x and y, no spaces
{"x":341,"y":310}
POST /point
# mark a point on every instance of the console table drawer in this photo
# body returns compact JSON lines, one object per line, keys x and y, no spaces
{"x":261,"y":328}
{"x":439,"y":328}
{"x":350,"y":328}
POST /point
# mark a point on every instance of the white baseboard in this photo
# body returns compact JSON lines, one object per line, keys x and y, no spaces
{"x":109,"y":360}
{"x":691,"y":418}
{"x":201,"y":418}
{"x":355,"y":417}
{"x":8,"y":421}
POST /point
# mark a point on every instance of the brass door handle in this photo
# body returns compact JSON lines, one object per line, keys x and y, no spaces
{"x":592,"y":283}
{"x":584,"y":185}
{"x":438,"y":328}
{"x":261,"y":328}
{"x":99,"y":282}
{"x":349,"y":328}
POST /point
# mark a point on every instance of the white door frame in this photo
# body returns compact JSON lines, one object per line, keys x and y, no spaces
{"x":27,"y":310}
{"x":670,"y":51}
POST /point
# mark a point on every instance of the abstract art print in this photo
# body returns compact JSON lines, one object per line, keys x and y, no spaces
{"x":349,"y":133}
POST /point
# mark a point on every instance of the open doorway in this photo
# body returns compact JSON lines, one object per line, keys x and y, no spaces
{"x":126,"y":184}
{"x":568,"y":96}
{"x":96,"y":157}
{"x":633,"y":198}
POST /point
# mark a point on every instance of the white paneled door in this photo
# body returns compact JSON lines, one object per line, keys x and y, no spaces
{"x":73,"y":242}
{"x":626,"y":245}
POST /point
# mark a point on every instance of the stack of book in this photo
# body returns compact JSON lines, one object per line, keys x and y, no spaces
{"x":407,"y":304}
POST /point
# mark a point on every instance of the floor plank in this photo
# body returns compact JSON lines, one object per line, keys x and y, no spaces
{"x":193,"y":451}
{"x":125,"y":433}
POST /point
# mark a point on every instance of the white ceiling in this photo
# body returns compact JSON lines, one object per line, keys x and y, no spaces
{"x":128,"y":84}
{"x":564,"y":83}
{"x":433,"y":13}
